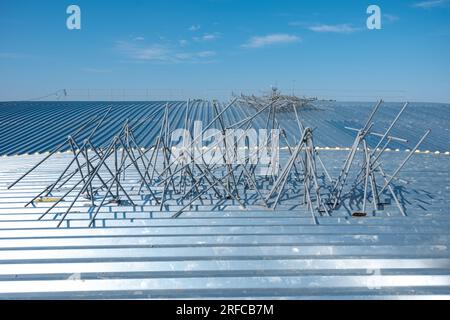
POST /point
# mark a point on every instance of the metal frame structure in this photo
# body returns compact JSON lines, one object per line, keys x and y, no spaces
{"x":370,"y":169}
{"x":124,"y":174}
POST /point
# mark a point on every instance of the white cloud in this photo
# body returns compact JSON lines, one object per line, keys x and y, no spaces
{"x":191,"y":56}
{"x":161,"y":53}
{"x":271,"y":39}
{"x":337,"y":28}
{"x":390,"y":17}
{"x":430,"y":4}
{"x":139,"y":38}
{"x":194,"y":27}
{"x":154,"y":52}
{"x":207,"y":37}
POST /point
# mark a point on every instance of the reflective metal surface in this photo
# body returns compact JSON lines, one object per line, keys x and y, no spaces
{"x":227,"y":253}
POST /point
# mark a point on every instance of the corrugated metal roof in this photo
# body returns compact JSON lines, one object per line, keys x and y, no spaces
{"x":255,"y":253}
{"x":30,"y":127}
{"x":222,"y":251}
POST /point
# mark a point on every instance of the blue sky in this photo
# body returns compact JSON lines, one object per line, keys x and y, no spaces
{"x":208,"y":48}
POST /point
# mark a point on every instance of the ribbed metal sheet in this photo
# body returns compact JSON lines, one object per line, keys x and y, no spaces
{"x":228,"y":253}
{"x":30,"y":127}
{"x":223,"y":251}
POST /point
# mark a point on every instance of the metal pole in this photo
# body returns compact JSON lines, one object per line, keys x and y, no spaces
{"x":406,"y":160}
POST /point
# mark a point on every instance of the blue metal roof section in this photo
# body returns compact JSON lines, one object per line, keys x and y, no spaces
{"x":222,"y":251}
{"x":30,"y":127}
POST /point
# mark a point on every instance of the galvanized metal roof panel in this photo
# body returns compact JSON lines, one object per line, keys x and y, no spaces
{"x":219,"y":250}
{"x":30,"y":127}
{"x":230,"y":253}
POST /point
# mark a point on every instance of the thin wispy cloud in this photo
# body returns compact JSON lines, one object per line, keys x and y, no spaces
{"x":194,"y":27}
{"x":207,"y":37}
{"x":335,"y":28}
{"x":161,"y":53}
{"x":431,"y":4}
{"x":190,"y":56}
{"x":139,"y":38}
{"x":270,"y":40}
